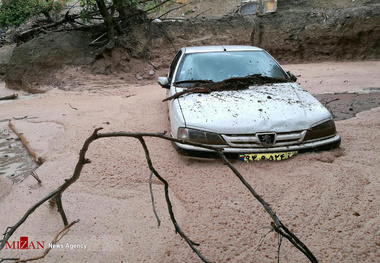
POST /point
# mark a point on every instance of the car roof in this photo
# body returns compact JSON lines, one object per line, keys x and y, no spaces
{"x":200,"y":49}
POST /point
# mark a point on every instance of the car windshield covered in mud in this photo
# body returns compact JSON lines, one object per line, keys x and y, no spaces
{"x":240,"y":99}
{"x":218,"y":66}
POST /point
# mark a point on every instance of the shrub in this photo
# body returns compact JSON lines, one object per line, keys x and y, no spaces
{"x":14,"y":12}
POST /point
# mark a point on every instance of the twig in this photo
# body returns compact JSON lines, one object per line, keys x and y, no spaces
{"x":66,"y":19}
{"x":202,"y":12}
{"x":188,"y":91}
{"x":262,"y":239}
{"x":279,"y":248}
{"x":94,"y":42}
{"x":156,"y":6}
{"x":32,"y":153}
{"x":276,"y":224}
{"x":34,"y":174}
{"x":18,"y":118}
{"x":58,"y":200}
{"x":169,"y":204}
{"x":164,"y":14}
{"x":152,"y":197}
{"x":329,"y":101}
{"x":72,"y":106}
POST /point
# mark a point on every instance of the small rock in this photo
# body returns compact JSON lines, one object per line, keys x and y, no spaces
{"x":138,"y":77}
{"x":356,"y":214}
{"x":151,"y":72}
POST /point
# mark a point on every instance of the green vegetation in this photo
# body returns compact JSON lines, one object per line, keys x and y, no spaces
{"x":14,"y":12}
{"x":116,"y":14}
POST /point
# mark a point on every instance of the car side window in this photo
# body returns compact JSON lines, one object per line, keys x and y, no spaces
{"x":174,"y":64}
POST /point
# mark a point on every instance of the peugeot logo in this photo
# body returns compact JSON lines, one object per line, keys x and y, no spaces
{"x":267,"y":139}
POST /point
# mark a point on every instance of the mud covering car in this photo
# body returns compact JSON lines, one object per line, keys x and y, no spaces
{"x":240,"y":98}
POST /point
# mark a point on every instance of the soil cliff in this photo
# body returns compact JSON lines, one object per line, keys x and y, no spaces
{"x":300,"y":31}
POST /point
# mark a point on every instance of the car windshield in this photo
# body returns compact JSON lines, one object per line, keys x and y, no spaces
{"x":218,"y":66}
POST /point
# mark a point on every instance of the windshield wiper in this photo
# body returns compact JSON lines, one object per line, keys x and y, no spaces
{"x":194,"y":81}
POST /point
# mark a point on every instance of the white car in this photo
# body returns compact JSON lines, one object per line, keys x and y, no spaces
{"x":273,"y":116}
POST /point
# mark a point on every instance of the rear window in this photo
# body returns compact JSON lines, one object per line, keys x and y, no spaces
{"x":218,"y":66}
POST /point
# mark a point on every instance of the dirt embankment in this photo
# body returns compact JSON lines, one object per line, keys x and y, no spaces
{"x":300,"y":31}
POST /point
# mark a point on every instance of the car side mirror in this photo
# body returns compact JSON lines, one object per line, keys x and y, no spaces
{"x":164,"y":82}
{"x":291,"y":76}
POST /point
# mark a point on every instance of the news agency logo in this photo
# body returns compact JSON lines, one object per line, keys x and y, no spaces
{"x":25,"y":244}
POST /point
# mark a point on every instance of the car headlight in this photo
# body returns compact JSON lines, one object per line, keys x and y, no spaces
{"x":323,"y":130}
{"x":199,"y":136}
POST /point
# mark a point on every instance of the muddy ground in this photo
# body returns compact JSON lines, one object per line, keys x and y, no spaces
{"x":329,"y":199}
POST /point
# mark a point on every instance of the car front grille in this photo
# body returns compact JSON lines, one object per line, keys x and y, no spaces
{"x":252,"y":140}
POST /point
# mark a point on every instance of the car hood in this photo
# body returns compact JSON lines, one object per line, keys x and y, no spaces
{"x":282,"y":107}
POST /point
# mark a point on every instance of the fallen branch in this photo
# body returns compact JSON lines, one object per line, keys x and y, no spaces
{"x":171,"y":10}
{"x":67,"y":19}
{"x":235,"y":83}
{"x":170,"y":208}
{"x":18,"y":118}
{"x":188,"y":91}
{"x":32,"y":153}
{"x":202,"y":12}
{"x":72,"y":107}
{"x":5,"y":259}
{"x":10,"y":97}
{"x":34,"y":174}
{"x":276,"y":224}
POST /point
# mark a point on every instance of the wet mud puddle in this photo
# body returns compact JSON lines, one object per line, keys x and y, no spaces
{"x":346,"y":105}
{"x":15,"y":162}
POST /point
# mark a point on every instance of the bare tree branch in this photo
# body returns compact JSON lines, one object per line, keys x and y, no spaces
{"x":169,"y":204}
{"x":277,"y":225}
{"x":58,"y":200}
{"x":66,"y":19}
{"x":152,"y":197}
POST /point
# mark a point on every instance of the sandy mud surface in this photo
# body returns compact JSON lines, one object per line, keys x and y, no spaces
{"x":330,"y":200}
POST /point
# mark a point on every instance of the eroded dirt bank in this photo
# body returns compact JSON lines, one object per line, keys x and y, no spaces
{"x":329,"y":199}
{"x":300,"y":31}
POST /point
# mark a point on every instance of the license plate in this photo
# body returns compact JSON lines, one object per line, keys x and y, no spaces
{"x":266,"y":156}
